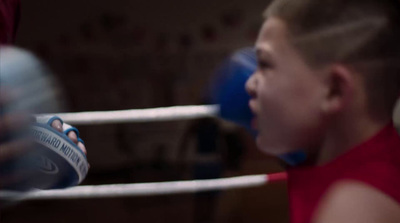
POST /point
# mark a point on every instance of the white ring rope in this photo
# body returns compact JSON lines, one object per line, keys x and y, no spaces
{"x":138,"y":115}
{"x":143,"y":189}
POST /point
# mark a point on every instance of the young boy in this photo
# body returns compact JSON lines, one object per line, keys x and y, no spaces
{"x":327,"y":80}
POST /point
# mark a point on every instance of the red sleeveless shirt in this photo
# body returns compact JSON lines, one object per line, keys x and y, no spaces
{"x":375,"y":162}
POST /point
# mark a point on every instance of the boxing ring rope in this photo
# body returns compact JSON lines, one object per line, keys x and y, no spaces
{"x":145,"y":189}
{"x":138,"y":115}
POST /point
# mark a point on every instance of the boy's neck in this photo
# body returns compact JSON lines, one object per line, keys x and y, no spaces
{"x":345,"y":134}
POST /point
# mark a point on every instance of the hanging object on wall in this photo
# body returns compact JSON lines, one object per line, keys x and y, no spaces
{"x":232,"y":18}
{"x":138,"y":35}
{"x":86,"y":31}
{"x":209,"y":33}
{"x":110,"y":22}
{"x":185,"y":40}
{"x":162,"y":41}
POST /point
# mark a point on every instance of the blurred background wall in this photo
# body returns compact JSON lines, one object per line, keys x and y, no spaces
{"x":126,"y":54}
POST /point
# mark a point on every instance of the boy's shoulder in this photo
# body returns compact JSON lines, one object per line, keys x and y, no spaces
{"x":368,"y":193}
{"x":383,"y":174}
{"x":356,"y":201}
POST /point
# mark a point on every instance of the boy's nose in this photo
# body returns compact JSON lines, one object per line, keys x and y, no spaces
{"x":251,"y":85}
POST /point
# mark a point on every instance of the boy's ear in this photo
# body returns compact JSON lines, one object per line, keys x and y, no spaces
{"x":340,"y":84}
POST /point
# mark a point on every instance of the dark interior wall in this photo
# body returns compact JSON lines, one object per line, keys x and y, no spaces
{"x":102,"y":46}
{"x":45,"y":20}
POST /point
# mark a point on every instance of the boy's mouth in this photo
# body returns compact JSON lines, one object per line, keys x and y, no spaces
{"x":252,"y":106}
{"x":254,"y":124}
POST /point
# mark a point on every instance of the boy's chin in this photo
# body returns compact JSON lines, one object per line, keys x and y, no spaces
{"x":274,"y":149}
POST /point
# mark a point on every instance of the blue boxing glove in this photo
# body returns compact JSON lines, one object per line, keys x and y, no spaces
{"x":228,"y":87}
{"x":228,"y":91}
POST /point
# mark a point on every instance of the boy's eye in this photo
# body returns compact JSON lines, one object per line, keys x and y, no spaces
{"x":263,"y":64}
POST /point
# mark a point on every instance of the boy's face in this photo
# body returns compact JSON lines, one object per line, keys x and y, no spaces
{"x":286,"y":94}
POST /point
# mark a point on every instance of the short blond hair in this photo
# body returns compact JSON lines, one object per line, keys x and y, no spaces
{"x":364,"y":34}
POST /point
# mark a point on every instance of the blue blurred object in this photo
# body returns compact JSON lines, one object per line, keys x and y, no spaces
{"x":228,"y":91}
{"x":228,"y":87}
